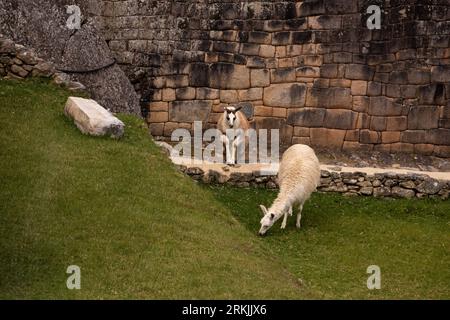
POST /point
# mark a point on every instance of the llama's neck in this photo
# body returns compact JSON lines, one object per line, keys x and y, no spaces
{"x":281,"y":204}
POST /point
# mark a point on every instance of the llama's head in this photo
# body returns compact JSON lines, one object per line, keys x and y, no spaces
{"x":230,"y":115}
{"x":267,"y":221}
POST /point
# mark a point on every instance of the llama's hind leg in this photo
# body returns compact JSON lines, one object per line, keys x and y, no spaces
{"x":299,"y":216}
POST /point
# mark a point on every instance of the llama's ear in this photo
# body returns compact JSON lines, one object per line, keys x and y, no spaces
{"x":263,"y":209}
{"x":237,"y":109}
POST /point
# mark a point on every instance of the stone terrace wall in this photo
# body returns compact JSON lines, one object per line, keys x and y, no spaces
{"x":310,"y":68}
{"x":379,"y":185}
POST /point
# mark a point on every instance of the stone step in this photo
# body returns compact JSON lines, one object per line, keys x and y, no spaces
{"x":91,"y":118}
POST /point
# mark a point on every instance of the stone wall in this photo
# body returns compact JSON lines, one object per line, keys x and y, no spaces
{"x":19,"y":62}
{"x":310,"y":68}
{"x":379,"y":185}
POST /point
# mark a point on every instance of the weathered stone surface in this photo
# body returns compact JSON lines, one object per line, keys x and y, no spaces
{"x":18,"y":70}
{"x":368,"y":136}
{"x":260,"y":77}
{"x":207,"y":94}
{"x":430,"y":186}
{"x":383,"y":106}
{"x":285,"y":95}
{"x":396,"y":123}
{"x":27,"y":57}
{"x":329,"y":97}
{"x":440,"y":73}
{"x":229,"y":76}
{"x":308,"y":72}
{"x":408,"y":184}
{"x":307,"y":117}
{"x":327,"y":137}
{"x":93,"y":119}
{"x":281,"y":75}
{"x":43,"y":69}
{"x":7,"y":46}
{"x":359,"y":72}
{"x":340,"y":119}
{"x":423,"y":117}
{"x":402,"y":193}
{"x":189,"y":111}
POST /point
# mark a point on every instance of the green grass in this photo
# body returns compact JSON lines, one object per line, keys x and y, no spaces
{"x":118,"y":209}
{"x":340,"y":237}
{"x":140,"y":229}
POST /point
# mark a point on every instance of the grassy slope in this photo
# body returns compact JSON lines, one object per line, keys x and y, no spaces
{"x":139,"y":229}
{"x":118,"y":209}
{"x":340,"y":237}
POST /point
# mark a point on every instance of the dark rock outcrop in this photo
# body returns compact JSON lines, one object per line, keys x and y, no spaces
{"x":81,"y":53}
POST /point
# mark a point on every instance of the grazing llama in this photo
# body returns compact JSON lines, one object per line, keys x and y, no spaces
{"x":298,"y":177}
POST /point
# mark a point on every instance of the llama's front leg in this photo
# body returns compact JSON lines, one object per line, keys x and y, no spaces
{"x":283,"y":224}
{"x":228,"y":150}
{"x":233,"y":152}
{"x":299,"y":216}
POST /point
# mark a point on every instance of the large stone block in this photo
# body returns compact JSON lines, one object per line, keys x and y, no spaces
{"x":189,"y":111}
{"x":329,"y":97}
{"x":359,"y":72}
{"x":418,"y":76}
{"x":383,"y":106}
{"x":340,"y":119}
{"x":390,"y":136}
{"x":323,"y":137}
{"x":414,"y":136}
{"x":250,"y":94}
{"x":199,"y":75}
{"x":285,"y":95}
{"x":91,"y":118}
{"x":378,"y":123}
{"x":397,"y":123}
{"x":281,"y":75}
{"x":440,"y":73}
{"x":423,"y":117}
{"x":368,"y":136}
{"x":439,"y":136}
{"x":359,"y":88}
{"x":431,"y":94}
{"x":229,"y":76}
{"x":207,"y":94}
{"x":361,"y":103}
{"x":259,"y":77}
{"x":306,"y":117}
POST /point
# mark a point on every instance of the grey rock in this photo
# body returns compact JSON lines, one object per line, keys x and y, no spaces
{"x":403,"y":193}
{"x":376,"y":183}
{"x":408,"y":184}
{"x":7,"y":46}
{"x":381,"y":192}
{"x":367,"y":191}
{"x":18,"y":70}
{"x":43,"y":69}
{"x":195,"y":171}
{"x":27,"y":57}
{"x":430,"y":186}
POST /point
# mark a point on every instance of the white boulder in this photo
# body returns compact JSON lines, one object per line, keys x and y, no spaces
{"x":91,"y":118}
